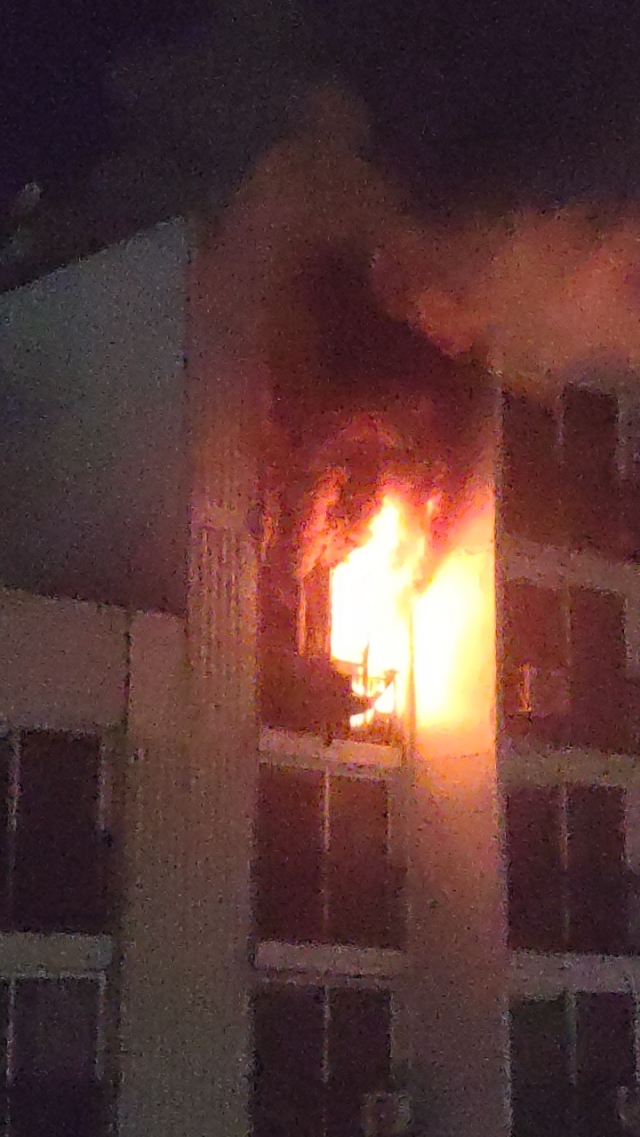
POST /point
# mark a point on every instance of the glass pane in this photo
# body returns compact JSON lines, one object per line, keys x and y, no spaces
{"x":288,"y":857}
{"x":530,"y":476}
{"x":590,"y":482}
{"x":4,"y":1023}
{"x":362,"y":893}
{"x":597,"y":869}
{"x":288,"y":1025}
{"x":598,"y":656}
{"x":359,"y":1055}
{"x":6,"y":760}
{"x":58,"y":883}
{"x":534,"y":871}
{"x":540,"y":1083}
{"x":605,"y":1060}
{"x":56,"y":1023}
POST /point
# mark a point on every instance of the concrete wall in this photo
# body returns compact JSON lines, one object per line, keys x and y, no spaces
{"x":458,"y":956}
{"x":63,"y":663}
{"x":158,"y":1052}
{"x":75,"y":665}
{"x":93,"y":466}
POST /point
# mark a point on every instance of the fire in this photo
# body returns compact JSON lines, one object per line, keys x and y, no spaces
{"x":394,"y":610}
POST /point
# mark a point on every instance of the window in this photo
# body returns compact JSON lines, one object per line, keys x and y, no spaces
{"x":563,"y":668}
{"x":568,"y":1056}
{"x":531,"y":470}
{"x":535,"y":887}
{"x":318,"y":1051}
{"x":598,"y":670}
{"x":560,"y":478}
{"x":567,"y":877}
{"x":535,"y":650}
{"x":50,"y":1058}
{"x":52,"y":847}
{"x":324,"y":864}
{"x":590,"y":477}
{"x":540,"y":1069}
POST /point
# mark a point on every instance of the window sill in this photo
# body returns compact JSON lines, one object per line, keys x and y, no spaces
{"x":329,"y":959}
{"x":538,"y":974}
{"x":27,"y":954}
{"x":525,"y":761}
{"x":287,"y":745}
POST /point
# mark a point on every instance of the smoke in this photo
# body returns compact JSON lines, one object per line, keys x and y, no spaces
{"x":534,"y":294}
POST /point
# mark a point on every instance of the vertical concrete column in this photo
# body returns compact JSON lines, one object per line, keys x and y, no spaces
{"x":225,"y":397}
{"x":458,"y":957}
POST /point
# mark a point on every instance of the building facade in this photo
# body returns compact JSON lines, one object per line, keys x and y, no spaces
{"x":255,"y":910}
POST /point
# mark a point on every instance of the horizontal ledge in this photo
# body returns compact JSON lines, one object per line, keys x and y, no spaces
{"x":312,"y":747}
{"x":525,"y":762}
{"x":329,"y":959}
{"x":27,"y":954}
{"x":538,"y":975}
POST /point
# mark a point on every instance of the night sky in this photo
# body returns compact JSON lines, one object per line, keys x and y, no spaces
{"x":535,"y":100}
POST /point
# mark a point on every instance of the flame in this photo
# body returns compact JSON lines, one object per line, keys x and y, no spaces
{"x":438,"y":636}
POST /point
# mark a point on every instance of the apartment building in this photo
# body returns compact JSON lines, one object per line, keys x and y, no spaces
{"x":284,"y":829}
{"x":568,"y":584}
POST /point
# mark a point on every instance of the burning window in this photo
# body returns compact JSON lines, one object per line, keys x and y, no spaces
{"x":371,"y":595}
{"x":395,"y":632}
{"x":376,"y":616}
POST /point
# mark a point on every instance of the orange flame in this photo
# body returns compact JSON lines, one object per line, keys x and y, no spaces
{"x":438,"y":638}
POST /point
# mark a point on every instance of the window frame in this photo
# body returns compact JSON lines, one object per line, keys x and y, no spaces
{"x":571,"y":998}
{"x":105,"y":817}
{"x":568,"y":870}
{"x":329,"y":984}
{"x":378,"y":762}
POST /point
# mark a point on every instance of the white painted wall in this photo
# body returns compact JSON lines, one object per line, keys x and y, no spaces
{"x":62,"y":663}
{"x":73,"y":665}
{"x":93,"y":466}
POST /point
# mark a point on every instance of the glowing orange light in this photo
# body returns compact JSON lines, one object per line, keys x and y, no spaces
{"x":438,"y":636}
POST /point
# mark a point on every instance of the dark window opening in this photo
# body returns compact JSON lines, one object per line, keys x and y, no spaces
{"x":324,"y":869}
{"x":530,"y":492}
{"x":289,"y":853}
{"x":569,"y":491}
{"x":605,"y":1060}
{"x":600,"y":692}
{"x":534,"y":869}
{"x":288,"y":1024}
{"x":52,"y":848}
{"x":597,"y":882}
{"x":317,"y":1052}
{"x":359,"y":1054}
{"x":51,"y":1081}
{"x":541,"y":1091}
{"x":566,"y":870}
{"x":568,"y":1056}
{"x":591,"y":486}
{"x":535,"y":680}
{"x":564,"y":669}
